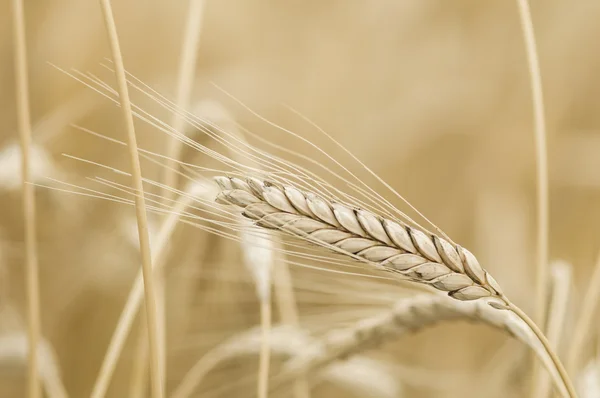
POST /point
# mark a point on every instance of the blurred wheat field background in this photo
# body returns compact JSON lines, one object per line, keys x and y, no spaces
{"x":433,"y":96}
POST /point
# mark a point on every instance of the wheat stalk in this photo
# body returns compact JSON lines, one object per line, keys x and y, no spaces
{"x":32,"y":284}
{"x":558,"y":309}
{"x":14,"y":347}
{"x":386,"y":244}
{"x":140,"y":206}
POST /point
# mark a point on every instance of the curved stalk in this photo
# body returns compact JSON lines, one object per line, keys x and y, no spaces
{"x":559,"y":366}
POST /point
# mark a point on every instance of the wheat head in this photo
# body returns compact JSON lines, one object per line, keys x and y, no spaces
{"x":411,"y":315}
{"x":388,"y":244}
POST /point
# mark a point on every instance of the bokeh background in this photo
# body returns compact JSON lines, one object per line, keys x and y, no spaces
{"x":434,"y":96}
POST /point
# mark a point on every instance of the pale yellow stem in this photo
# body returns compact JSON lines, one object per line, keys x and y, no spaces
{"x":540,"y":335}
{"x":585,"y":326}
{"x":265,"y":349}
{"x":140,"y":205}
{"x":29,"y":213}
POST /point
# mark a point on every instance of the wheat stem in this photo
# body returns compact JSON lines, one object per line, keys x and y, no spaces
{"x":265,"y":350}
{"x":140,"y":207}
{"x":29,"y":212}
{"x":584,"y":324}
{"x":134,"y":300}
{"x":288,"y":312}
{"x":541,"y":158}
{"x":561,"y":283}
{"x":187,"y":66}
{"x":540,"y":335}
{"x":139,"y":371}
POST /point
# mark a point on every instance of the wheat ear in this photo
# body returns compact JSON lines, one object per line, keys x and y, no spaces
{"x":386,"y":244}
{"x":287,"y":341}
{"x":389,"y":245}
{"x":409,"y":316}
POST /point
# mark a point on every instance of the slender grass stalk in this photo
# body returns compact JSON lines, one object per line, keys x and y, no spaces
{"x":139,"y":371}
{"x":288,"y":312}
{"x":134,"y":300}
{"x":187,"y":68}
{"x":561,"y":289}
{"x":265,"y":350}
{"x":540,"y":335}
{"x":585,"y":323}
{"x":541,"y":160}
{"x":185,"y":82}
{"x":140,"y":206}
{"x":29,"y":213}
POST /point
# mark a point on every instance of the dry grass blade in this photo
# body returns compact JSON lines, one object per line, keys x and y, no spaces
{"x":386,"y":244}
{"x":29,"y":214}
{"x":151,"y":310}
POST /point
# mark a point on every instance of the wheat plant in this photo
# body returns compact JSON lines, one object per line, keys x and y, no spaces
{"x":311,"y":275}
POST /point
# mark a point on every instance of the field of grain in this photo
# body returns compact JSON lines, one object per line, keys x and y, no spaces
{"x":433,"y":97}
